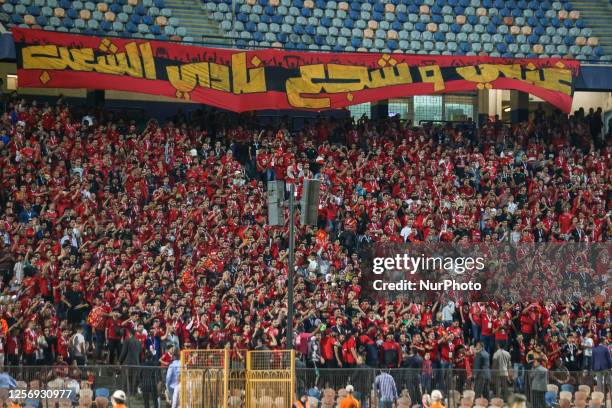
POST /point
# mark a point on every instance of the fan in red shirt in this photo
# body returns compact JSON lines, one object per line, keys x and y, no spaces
{"x":431,"y":347}
{"x":30,"y":343}
{"x":349,"y":351}
{"x":528,"y":322}
{"x":565,"y":220}
{"x":391,"y":352}
{"x":97,"y":321}
{"x":501,"y":327}
{"x":167,"y":357}
{"x":329,"y":342}
{"x":447,"y":346}
{"x":486,"y":329}
{"x":141,"y":335}
{"x":114,"y":335}
{"x":12,"y":346}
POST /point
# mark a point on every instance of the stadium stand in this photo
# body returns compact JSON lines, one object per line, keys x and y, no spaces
{"x":598,"y":17}
{"x":139,"y":19}
{"x":116,"y":229}
{"x":449,"y":27}
{"x":200,"y":25}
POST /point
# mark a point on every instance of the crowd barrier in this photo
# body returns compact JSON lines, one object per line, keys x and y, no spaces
{"x":454,"y":384}
{"x":270,"y":380}
{"x":71,"y":386}
{"x":237,"y":378}
{"x":204,"y":378}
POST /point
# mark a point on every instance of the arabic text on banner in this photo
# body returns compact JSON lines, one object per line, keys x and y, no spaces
{"x":273,"y":79}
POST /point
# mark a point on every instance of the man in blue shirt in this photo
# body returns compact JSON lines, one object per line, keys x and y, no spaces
{"x":27,"y":213}
{"x":602,"y":364}
{"x":172,"y":381}
{"x":4,"y":139}
{"x":385,"y":387}
{"x":6,"y":381}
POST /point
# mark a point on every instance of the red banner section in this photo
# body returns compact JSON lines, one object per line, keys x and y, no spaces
{"x":273,"y":79}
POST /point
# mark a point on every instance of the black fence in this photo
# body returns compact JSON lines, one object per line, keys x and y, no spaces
{"x":541,"y":389}
{"x":144,"y":386}
{"x":86,"y":386}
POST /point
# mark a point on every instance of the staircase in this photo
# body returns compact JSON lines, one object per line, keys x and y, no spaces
{"x":195,"y":18}
{"x":597,"y":14}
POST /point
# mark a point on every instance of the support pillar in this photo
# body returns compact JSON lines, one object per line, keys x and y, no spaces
{"x":96,"y":98}
{"x":483,"y":107}
{"x":519,"y":106}
{"x":380,"y":109}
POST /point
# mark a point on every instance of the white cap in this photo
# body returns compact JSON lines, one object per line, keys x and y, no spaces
{"x":349,"y":388}
{"x":193,"y":152}
{"x":119,"y":396}
{"x":436,"y":395}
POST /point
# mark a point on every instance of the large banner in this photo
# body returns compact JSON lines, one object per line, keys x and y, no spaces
{"x":273,"y":79}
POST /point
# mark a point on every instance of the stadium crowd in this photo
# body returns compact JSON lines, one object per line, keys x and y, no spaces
{"x":110,"y":231}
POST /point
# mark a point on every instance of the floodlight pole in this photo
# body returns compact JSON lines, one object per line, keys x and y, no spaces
{"x":308,"y":205}
{"x":290,"y":272}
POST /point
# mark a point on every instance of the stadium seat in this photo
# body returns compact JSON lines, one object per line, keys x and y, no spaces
{"x":504,"y":25}
{"x":33,"y":10}
{"x":20,"y":9}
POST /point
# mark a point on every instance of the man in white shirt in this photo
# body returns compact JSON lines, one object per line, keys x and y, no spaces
{"x":587,"y":347}
{"x":515,"y":235}
{"x":77,"y":346}
{"x":406,"y":231}
{"x":512,"y":206}
{"x":447,"y":313}
{"x":18,"y":270}
{"x":324,"y":264}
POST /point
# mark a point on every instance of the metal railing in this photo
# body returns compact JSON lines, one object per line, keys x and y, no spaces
{"x":270,"y":379}
{"x":205,"y":378}
{"x":453,"y":383}
{"x":145,"y":386}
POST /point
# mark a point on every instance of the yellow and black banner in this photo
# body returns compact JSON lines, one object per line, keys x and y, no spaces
{"x":273,"y":79}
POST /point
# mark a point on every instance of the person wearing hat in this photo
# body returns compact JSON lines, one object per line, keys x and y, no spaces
{"x":517,"y":401}
{"x":118,"y":399}
{"x":436,"y":399}
{"x":349,"y":401}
